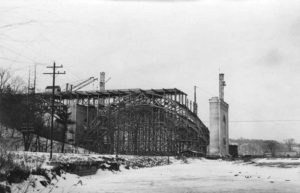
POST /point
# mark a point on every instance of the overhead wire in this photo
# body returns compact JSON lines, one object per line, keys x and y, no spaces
{"x":261,"y":121}
{"x":13,"y":60}
{"x":17,"y":24}
{"x":19,"y":54}
{"x":208,"y":93}
{"x":265,"y":121}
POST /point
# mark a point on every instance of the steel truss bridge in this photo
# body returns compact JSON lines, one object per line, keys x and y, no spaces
{"x":133,"y":121}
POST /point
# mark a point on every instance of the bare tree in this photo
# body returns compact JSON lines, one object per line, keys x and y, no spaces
{"x":64,"y":120}
{"x":272,"y":146}
{"x":10,"y":83}
{"x":289,"y":143}
{"x":17,"y":85}
{"x":4,"y":79}
{"x":12,"y":108}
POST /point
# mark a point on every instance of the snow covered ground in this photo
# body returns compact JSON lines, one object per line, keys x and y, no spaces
{"x":278,"y":162}
{"x":199,"y":175}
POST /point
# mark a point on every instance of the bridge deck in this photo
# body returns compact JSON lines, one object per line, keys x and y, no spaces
{"x":153,"y":121}
{"x":115,"y":93}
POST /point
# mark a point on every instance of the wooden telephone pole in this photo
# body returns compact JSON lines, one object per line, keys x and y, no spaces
{"x":53,"y":73}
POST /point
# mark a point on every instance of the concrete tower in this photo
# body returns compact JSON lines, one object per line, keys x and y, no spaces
{"x":218,"y":118}
{"x":102,"y":81}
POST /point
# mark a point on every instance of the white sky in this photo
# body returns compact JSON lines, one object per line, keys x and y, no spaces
{"x":167,"y":44}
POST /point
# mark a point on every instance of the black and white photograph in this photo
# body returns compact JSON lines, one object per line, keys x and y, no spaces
{"x":149,"y":96}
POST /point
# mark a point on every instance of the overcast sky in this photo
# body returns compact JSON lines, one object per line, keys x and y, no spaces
{"x":166,"y":44}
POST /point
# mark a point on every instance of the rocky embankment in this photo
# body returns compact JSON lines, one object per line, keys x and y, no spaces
{"x":30,"y":170}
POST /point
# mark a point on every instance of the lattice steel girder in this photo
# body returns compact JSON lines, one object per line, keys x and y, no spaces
{"x":151,"y":118}
{"x":140,"y":124}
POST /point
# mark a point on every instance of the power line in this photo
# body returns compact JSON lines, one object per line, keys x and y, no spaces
{"x":262,"y":121}
{"x":265,"y":121}
{"x":12,"y":60}
{"x":53,"y":73}
{"x":208,"y":93}
{"x":19,"y":54}
{"x":17,"y":24}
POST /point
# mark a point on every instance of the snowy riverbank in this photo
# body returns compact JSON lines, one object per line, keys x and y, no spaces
{"x":191,"y":175}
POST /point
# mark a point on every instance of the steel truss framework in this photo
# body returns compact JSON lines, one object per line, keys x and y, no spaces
{"x":140,"y":122}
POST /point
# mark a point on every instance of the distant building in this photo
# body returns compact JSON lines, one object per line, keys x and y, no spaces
{"x":233,"y":150}
{"x":296,"y":149}
{"x":218,"y":112}
{"x":253,"y":148}
{"x":49,"y":89}
{"x":286,"y":154}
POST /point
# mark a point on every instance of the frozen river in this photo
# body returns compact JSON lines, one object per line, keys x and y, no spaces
{"x":197,"y":176}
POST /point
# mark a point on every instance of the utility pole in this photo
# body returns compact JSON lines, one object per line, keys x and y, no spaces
{"x":27,"y":128}
{"x":37,"y":142}
{"x":53,"y":73}
{"x":34,"y":81}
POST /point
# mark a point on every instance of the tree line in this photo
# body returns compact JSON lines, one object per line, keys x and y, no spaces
{"x":12,"y":108}
{"x":260,"y":147}
{"x":19,"y":108}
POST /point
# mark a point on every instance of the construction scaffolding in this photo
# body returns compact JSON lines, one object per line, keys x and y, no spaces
{"x":134,"y":121}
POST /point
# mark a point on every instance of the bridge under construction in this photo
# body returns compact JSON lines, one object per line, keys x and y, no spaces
{"x":132,"y":121}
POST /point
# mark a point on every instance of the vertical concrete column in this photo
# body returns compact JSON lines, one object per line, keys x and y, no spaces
{"x":214,"y":146}
{"x":72,"y":127}
{"x":219,"y":135}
